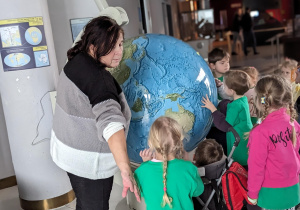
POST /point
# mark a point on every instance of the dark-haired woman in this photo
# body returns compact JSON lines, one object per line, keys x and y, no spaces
{"x":92,"y":117}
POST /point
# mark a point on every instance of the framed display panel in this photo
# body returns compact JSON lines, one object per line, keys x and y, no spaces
{"x":77,"y":25}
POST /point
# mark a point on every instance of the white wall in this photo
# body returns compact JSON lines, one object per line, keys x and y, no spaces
{"x":61,"y":11}
{"x":6,"y":166}
{"x":157,"y":17}
{"x":28,"y":114}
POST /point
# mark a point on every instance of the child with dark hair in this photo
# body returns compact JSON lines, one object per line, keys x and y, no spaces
{"x":233,"y":113}
{"x":207,"y":152}
{"x":218,"y":61}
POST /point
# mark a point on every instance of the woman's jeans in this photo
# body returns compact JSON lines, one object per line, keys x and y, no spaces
{"x":91,"y":194}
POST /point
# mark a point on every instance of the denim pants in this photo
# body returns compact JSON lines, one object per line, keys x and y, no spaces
{"x":91,"y":194}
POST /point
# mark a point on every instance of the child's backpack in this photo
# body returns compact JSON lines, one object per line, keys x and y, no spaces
{"x":234,"y":185}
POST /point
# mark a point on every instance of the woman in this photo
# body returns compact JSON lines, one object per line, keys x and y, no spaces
{"x":92,"y":117}
{"x":236,"y":27}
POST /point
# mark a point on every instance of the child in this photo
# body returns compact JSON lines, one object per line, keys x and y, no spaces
{"x":218,"y":61}
{"x":297,"y":103}
{"x":236,"y":114}
{"x":208,"y":151}
{"x":250,"y":94}
{"x":274,"y":165}
{"x":167,"y":181}
{"x":288,"y":71}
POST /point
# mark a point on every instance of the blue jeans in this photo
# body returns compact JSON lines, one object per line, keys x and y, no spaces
{"x":91,"y":194}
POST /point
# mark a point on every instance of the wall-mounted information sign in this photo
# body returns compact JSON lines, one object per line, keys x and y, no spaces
{"x":23,"y":44}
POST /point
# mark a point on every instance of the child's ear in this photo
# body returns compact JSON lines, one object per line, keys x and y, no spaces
{"x":233,"y":91}
{"x":212,"y":66}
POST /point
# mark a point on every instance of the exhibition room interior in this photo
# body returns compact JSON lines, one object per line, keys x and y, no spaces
{"x":27,"y":90}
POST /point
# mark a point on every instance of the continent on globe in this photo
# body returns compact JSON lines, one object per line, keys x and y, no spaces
{"x":173,"y":96}
{"x":163,"y":76}
{"x":183,"y":117}
{"x":138,"y":105}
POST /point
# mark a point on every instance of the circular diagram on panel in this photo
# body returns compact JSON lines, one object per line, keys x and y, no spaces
{"x":16,"y":59}
{"x":33,"y":36}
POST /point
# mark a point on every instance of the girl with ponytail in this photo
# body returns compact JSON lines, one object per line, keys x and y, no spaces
{"x":167,"y":181}
{"x":274,"y":161}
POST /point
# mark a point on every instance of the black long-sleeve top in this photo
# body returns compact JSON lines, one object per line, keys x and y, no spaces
{"x":219,"y":116}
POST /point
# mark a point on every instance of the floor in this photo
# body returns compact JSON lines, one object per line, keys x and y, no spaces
{"x":9,"y":199}
{"x":265,"y":62}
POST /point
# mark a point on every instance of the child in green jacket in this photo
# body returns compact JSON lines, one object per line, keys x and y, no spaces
{"x":233,"y":113}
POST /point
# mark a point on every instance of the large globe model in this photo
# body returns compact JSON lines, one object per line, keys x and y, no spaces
{"x":161,"y":75}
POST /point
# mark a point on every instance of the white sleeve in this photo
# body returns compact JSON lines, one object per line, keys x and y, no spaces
{"x":111,"y":129}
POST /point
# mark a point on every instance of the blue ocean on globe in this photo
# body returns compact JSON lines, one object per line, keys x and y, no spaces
{"x":163,"y":76}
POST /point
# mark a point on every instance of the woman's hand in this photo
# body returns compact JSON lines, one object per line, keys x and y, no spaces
{"x":130,"y":183}
{"x":208,"y":104}
{"x":117,"y":145}
{"x":146,"y":155}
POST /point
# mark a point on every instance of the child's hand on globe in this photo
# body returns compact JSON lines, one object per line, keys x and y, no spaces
{"x":208,"y":104}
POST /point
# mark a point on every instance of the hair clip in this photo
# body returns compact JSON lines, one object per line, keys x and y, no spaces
{"x":262,"y":100}
{"x":165,"y":189}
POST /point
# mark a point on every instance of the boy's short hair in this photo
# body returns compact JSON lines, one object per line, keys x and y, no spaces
{"x":207,"y":152}
{"x":237,"y":80}
{"x":217,"y":54}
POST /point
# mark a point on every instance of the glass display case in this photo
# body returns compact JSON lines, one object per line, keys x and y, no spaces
{"x":197,"y":24}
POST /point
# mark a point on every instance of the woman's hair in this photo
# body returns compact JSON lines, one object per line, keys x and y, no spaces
{"x":238,"y":81}
{"x":274,"y":92}
{"x":252,"y":72}
{"x":101,"y":32}
{"x":207,"y":152}
{"x":217,"y":54}
{"x":165,"y":137}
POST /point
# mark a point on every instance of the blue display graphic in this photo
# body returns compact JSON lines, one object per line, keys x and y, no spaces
{"x":41,"y":58}
{"x":16,"y":59}
{"x":23,"y":44}
{"x":163,"y":76}
{"x":33,"y":36}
